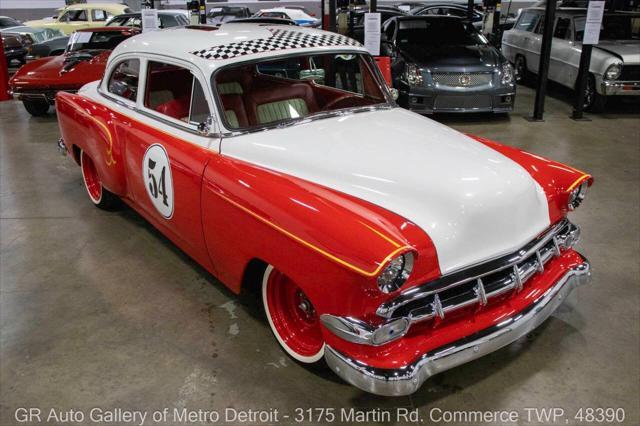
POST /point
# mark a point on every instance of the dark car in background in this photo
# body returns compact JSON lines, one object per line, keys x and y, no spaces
{"x":54,"y":47}
{"x":448,"y":9}
{"x":386,"y":12}
{"x":222,"y":14}
{"x":13,"y":49}
{"x":443,"y":64}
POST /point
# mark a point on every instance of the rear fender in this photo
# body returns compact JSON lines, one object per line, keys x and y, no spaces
{"x":90,"y":126}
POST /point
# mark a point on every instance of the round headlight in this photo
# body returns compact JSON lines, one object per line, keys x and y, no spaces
{"x":613,"y":72}
{"x":396,"y":273}
{"x":577,"y":195}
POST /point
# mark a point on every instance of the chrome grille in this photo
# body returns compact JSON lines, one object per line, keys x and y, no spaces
{"x":462,"y":102}
{"x":461,"y":79}
{"x":481,"y":283}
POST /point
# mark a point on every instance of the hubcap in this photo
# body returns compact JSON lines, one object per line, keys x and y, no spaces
{"x":519,"y":69}
{"x":91,"y":179}
{"x":293,"y":317}
{"x":588,"y":94}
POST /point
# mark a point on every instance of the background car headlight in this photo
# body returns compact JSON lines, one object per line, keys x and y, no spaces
{"x":577,"y":195}
{"x":396,"y":273}
{"x":507,"y":73}
{"x":412,"y":75}
{"x":613,"y":72}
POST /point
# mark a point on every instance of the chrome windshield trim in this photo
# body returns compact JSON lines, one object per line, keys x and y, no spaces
{"x":471,"y":273}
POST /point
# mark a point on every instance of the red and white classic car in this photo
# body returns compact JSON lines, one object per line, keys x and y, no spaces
{"x":391,"y":246}
{"x":37,"y":82}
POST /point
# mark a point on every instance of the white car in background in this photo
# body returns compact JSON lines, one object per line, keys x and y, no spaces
{"x":298,"y":16}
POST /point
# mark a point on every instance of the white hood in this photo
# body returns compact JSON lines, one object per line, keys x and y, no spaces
{"x":473,"y":202}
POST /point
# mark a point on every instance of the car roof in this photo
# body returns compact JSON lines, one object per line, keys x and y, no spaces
{"x":195,"y":43}
{"x":160,"y":12}
{"x":583,"y":11}
{"x":106,"y":29}
{"x":95,"y":6}
{"x":23,"y":28}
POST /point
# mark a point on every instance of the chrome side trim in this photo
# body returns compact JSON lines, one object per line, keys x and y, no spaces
{"x":406,"y":380}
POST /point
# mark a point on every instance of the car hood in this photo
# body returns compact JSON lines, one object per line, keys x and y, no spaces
{"x":628,"y":51}
{"x":451,"y":56}
{"x":59,"y":72}
{"x":474,"y":203}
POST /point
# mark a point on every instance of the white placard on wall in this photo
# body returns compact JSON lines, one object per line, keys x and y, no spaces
{"x":593,"y":23}
{"x":150,"y":20}
{"x":372,"y":33}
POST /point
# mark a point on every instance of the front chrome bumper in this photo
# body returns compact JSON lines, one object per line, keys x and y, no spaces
{"x":620,"y":88}
{"x":406,"y":380}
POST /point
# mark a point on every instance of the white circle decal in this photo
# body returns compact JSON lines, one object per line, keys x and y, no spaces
{"x":156,"y":173}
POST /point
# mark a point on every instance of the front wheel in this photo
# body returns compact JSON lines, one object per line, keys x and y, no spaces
{"x":520,"y":70}
{"x":294,"y":321}
{"x":593,"y":101}
{"x":36,"y":107}
{"x":99,"y":196}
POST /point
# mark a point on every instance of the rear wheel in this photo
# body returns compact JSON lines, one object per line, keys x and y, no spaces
{"x":98,"y":195}
{"x":36,"y":107}
{"x":293,"y":319}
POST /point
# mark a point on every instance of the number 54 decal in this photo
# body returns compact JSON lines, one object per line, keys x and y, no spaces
{"x":156,"y":171}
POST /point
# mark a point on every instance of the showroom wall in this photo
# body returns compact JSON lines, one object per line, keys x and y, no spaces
{"x":37,"y":9}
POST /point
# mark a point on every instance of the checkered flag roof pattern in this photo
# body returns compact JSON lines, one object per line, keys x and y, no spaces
{"x":280,"y":40}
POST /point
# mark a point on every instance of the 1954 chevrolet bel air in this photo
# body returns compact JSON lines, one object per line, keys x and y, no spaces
{"x":391,"y":246}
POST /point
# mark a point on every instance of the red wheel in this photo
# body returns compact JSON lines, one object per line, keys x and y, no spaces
{"x":292,"y":317}
{"x":91,"y":179}
{"x":101,"y":197}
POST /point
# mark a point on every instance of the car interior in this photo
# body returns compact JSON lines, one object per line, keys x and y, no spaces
{"x":279,"y":91}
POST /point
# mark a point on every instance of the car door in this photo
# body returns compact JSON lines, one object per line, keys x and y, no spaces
{"x":164,"y":151}
{"x":561,"y":69}
{"x":520,"y":41}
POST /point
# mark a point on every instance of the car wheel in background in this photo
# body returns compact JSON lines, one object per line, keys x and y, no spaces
{"x":521,"y":71}
{"x":36,"y":107}
{"x":102,"y":198}
{"x":593,"y":101}
{"x":293,"y":319}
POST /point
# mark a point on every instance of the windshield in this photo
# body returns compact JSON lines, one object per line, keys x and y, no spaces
{"x":83,"y":40}
{"x":614,"y":27}
{"x":286,"y":90}
{"x":438,"y":33}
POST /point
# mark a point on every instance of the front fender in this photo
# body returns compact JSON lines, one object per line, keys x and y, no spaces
{"x":333,"y":245}
{"x":556,"y":179}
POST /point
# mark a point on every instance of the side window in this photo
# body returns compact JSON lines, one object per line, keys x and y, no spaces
{"x":528,"y":21}
{"x":562,"y":29}
{"x":98,"y":15}
{"x":123,"y":81}
{"x":174,"y":92}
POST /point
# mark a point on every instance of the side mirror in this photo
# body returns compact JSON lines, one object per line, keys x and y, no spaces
{"x":206,"y":128}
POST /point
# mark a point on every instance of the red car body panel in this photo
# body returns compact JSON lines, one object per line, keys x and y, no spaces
{"x":49,"y":74}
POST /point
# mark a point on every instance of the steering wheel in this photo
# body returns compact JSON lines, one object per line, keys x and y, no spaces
{"x":333,"y":104}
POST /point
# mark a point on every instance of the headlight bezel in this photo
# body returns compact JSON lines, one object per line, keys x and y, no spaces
{"x":577,"y":195}
{"x":617,"y":66}
{"x":413,"y":75}
{"x":507,"y":74}
{"x":396,"y":272}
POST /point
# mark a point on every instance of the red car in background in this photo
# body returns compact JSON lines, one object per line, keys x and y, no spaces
{"x":84,"y":61}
